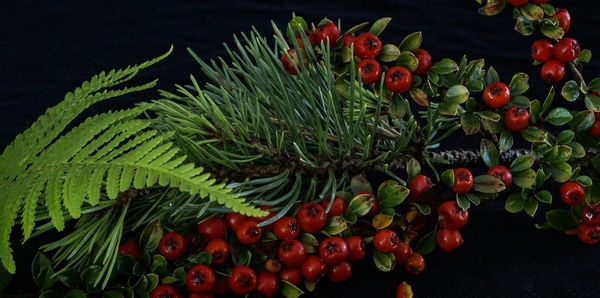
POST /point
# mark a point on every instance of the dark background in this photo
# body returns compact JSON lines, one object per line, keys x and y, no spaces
{"x":48,"y":48}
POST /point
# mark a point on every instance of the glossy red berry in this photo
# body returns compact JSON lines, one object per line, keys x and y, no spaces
{"x":386,"y":241}
{"x":424,"y":64}
{"x":419,"y":185}
{"x":313,"y":268}
{"x":219,"y":249}
{"x":290,"y":63}
{"x":463,"y":180}
{"x":367,"y":45}
{"x":564,"y":18}
{"x":172,"y":246}
{"x":572,"y":193}
{"x":312,"y":217}
{"x":542,"y":50}
{"x":249,"y":232}
{"x":398,"y":79}
{"x":566,"y":50}
{"x":130,"y":247}
{"x":591,"y":214}
{"x":259,"y":220}
{"x":292,"y":275}
{"x":212,"y":228}
{"x":338,"y":207}
{"x":517,"y":2}
{"x":267,"y":284}
{"x":502,"y":173}
{"x":356,"y":248}
{"x":242,"y":280}
{"x":273,"y":265}
{"x":370,"y":71}
{"x":449,"y":240}
{"x":594,"y":131}
{"x":516,"y":119}
{"x":589,"y":234}
{"x":286,"y":227}
{"x":402,"y":252}
{"x":451,"y":216}
{"x":309,"y":36}
{"x":333,"y":250}
{"x":496,"y":95}
{"x":234,"y":220}
{"x":340,"y":271}
{"x":292,"y":253}
{"x":164,"y":291}
{"x":552,"y":71}
{"x":328,"y":31}
{"x":201,"y":279}
{"x":415,"y":263}
{"x":404,"y":290}
{"x":348,"y":40}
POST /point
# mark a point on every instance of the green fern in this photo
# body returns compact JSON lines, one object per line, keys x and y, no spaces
{"x":101,"y":157}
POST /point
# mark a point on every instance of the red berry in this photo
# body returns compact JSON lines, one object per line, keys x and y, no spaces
{"x":212,"y":228}
{"x":539,"y":1}
{"x":552,"y":71}
{"x":267,"y":284}
{"x":367,"y":45}
{"x":415,"y":263}
{"x":312,"y":217}
{"x":309,"y":36}
{"x":404,"y":290}
{"x":313,"y":268}
{"x":591,"y":214}
{"x":496,"y":95}
{"x":348,"y":40}
{"x":333,"y":250}
{"x":542,"y":50}
{"x":566,"y":50}
{"x":402,"y":253}
{"x":516,"y":118}
{"x":338,"y":207}
{"x":130,"y":247}
{"x":370,"y":71}
{"x":292,"y":275}
{"x":234,"y":220}
{"x":398,"y":79}
{"x":502,"y":173}
{"x":221,"y":286}
{"x":328,"y":31}
{"x":424,"y":62}
{"x":201,"y":279}
{"x":463,"y":180}
{"x":273,"y":265}
{"x":259,"y":220}
{"x":242,"y":280}
{"x":164,"y":291}
{"x":201,"y":295}
{"x":386,"y":241}
{"x":249,"y":232}
{"x":340,"y":271}
{"x":419,"y":185}
{"x":449,"y":240}
{"x":290,"y":63}
{"x":356,"y":248}
{"x":589,"y":234}
{"x":563,"y":17}
{"x":572,"y":193}
{"x":219,"y":249}
{"x":451,"y":216}
{"x":517,"y":2}
{"x":594,"y":131}
{"x":286,"y":227}
{"x":172,"y":246}
{"x":292,"y":253}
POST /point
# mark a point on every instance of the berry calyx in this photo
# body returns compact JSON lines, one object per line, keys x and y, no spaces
{"x":463,"y":180}
{"x":249,"y":232}
{"x":516,"y":119}
{"x":496,"y":95}
{"x":370,"y":71}
{"x":552,"y":71}
{"x":348,"y":40}
{"x":212,"y":228}
{"x":542,"y":50}
{"x":356,"y":248}
{"x":398,"y":79}
{"x":172,"y":246}
{"x":367,"y":45}
{"x":591,"y":214}
{"x":333,"y":250}
{"x":415,"y":263}
{"x":327,"y":32}
{"x":572,"y":193}
{"x":502,"y":173}
{"x":451,"y":216}
{"x":594,"y":131}
{"x":566,"y":50}
{"x":201,"y":279}
{"x":338,"y":207}
{"x":292,"y":253}
{"x":313,"y":268}
{"x":589,"y":234}
{"x":286,"y":227}
{"x":449,"y":240}
{"x":130,"y":247}
{"x":219,"y":249}
{"x":424,"y":64}
{"x":517,"y":2}
{"x":386,"y":241}
{"x":242,"y":280}
{"x":234,"y":220}
{"x":292,"y":275}
{"x":312,"y":217}
{"x":340,"y":271}
{"x":267,"y":284}
{"x":564,"y":18}
{"x":164,"y":291}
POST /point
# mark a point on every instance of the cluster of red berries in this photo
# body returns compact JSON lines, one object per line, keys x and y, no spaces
{"x":565,"y":50}
{"x":496,"y":95}
{"x":572,"y":193}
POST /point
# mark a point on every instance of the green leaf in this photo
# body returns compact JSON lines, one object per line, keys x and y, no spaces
{"x":444,"y":66}
{"x":427,"y":243}
{"x":570,"y":91}
{"x":150,"y":236}
{"x":592,"y":102}
{"x":524,"y":178}
{"x":506,"y":140}
{"x":289,"y":290}
{"x":388,"y":53}
{"x":356,"y":28}
{"x":90,"y":274}
{"x":408,"y":60}
{"x":550,"y":28}
{"x":584,"y":180}
{"x":473,"y":198}
{"x":544,"y":196}
{"x":112,"y":294}
{"x":585,"y":56}
{"x":360,"y":183}
{"x":411,"y":41}
{"x":565,"y":137}
{"x":521,"y":163}
{"x":335,"y":225}
{"x":424,"y":208}
{"x":488,"y":184}
{"x":70,"y":278}
{"x":582,"y":121}
{"x":520,"y":101}
{"x":514,"y":203}
{"x":413,"y":168}
{"x":559,"y":116}
{"x":592,"y":193}
{"x":448,"y":177}
{"x":535,"y":111}
{"x":492,"y":76}
{"x":202,"y":258}
{"x":561,"y":172}
{"x":488,"y":115}
{"x":457,"y":94}
{"x":379,"y":25}
{"x":534,"y":135}
{"x":493,"y":7}
{"x":532,"y":11}
{"x":361,"y":204}
{"x":391,"y":194}
{"x":42,"y":271}
{"x":470,"y":123}
{"x":519,"y":84}
{"x":530,"y":206}
{"x":561,"y":220}
{"x":463,"y":202}
{"x":76,"y":293}
{"x":548,"y":101}
{"x":548,"y":9}
{"x":384,"y":262}
{"x":489,"y":153}
{"x":594,"y":85}
{"x":524,"y":26}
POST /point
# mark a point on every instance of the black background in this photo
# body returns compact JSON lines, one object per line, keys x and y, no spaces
{"x":48,"y":48}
